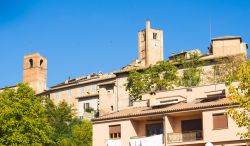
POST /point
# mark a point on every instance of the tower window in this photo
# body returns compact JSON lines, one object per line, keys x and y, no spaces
{"x":31,"y":63}
{"x":41,"y":62}
{"x":154,"y":36}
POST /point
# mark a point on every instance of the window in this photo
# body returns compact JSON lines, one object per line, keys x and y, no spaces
{"x":154,"y":129}
{"x":220,"y":121}
{"x":93,"y":88}
{"x":109,"y":89}
{"x":81,"y":90}
{"x":191,"y":125}
{"x":154,"y":36}
{"x":194,"y":126}
{"x":69,"y":92}
{"x":115,"y":131}
{"x":81,"y":117}
{"x":31,"y":63}
{"x":85,"y":106}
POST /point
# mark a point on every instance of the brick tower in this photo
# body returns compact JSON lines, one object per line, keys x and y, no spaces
{"x":35,"y":72}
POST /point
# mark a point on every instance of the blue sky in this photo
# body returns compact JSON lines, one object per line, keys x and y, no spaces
{"x":79,"y":37}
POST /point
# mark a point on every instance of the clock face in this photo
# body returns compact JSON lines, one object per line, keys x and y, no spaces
{"x":156,"y":45}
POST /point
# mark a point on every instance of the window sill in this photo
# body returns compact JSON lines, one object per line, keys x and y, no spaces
{"x":220,"y":128}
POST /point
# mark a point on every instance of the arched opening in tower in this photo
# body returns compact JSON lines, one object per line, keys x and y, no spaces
{"x":31,"y":63}
{"x":41,"y":62}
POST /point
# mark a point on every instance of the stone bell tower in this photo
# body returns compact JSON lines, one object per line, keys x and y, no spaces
{"x":35,"y":72}
{"x":150,"y":45}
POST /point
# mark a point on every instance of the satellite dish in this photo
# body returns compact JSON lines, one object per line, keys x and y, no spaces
{"x":209,"y":144}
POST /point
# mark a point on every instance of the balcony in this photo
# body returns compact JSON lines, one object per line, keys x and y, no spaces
{"x":155,"y":140}
{"x":184,"y":136}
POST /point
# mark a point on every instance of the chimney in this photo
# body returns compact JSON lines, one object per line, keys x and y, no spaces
{"x":147,"y":25}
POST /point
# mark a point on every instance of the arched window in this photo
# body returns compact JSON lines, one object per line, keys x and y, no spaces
{"x":31,"y":63}
{"x":41,"y":62}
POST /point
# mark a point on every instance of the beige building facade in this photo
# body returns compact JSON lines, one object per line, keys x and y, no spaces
{"x":182,"y":116}
{"x":83,"y":93}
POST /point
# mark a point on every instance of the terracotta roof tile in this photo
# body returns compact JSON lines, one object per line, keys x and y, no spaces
{"x":133,"y":112}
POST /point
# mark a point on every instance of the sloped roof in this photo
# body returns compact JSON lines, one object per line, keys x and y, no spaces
{"x":8,"y":87}
{"x":183,"y":106}
{"x":83,"y":80}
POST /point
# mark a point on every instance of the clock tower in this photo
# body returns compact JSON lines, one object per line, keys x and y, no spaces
{"x":150,"y":45}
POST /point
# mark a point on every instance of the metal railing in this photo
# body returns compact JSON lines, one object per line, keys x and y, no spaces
{"x":184,"y":136}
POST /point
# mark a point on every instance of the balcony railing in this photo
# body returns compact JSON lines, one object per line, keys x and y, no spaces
{"x":184,"y":137}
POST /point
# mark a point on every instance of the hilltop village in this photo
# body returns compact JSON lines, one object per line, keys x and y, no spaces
{"x":189,"y":116}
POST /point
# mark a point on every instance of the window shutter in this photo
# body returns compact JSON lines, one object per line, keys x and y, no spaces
{"x":220,"y":121}
{"x":115,"y":129}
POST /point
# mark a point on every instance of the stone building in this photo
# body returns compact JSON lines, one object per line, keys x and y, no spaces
{"x":105,"y":93}
{"x":182,"y":116}
{"x":83,"y":93}
{"x":190,"y":116}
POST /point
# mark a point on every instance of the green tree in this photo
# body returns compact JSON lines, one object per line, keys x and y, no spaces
{"x":226,"y":69}
{"x":59,"y":117}
{"x":162,"y":76}
{"x":240,"y":96}
{"x":81,"y":134}
{"x":192,"y":70}
{"x":136,"y":85}
{"x":23,"y":119}
{"x":68,"y":130}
